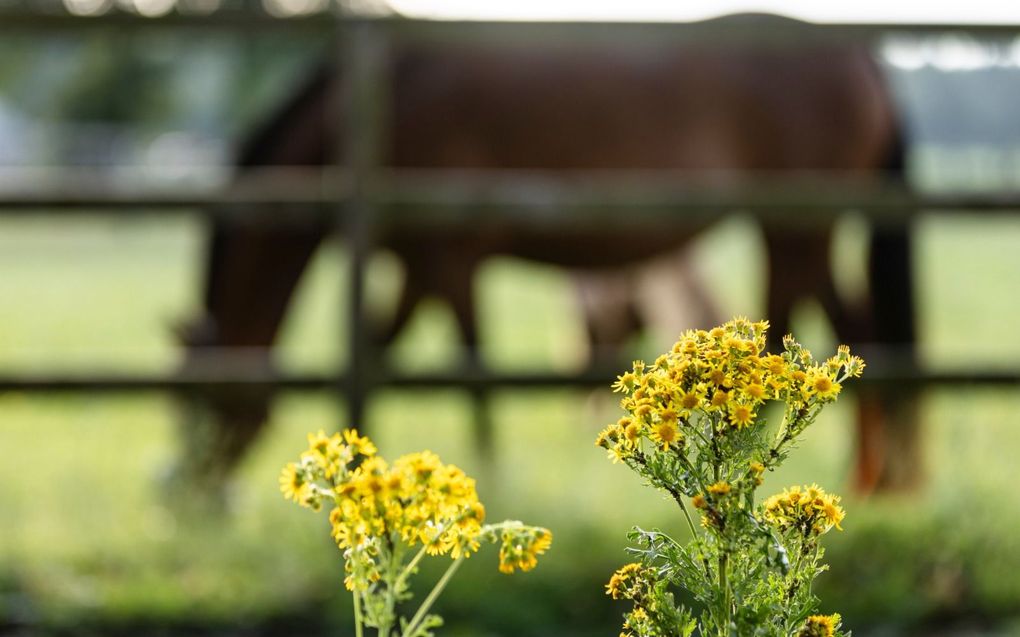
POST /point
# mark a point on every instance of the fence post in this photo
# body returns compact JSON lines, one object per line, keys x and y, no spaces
{"x":362,"y":67}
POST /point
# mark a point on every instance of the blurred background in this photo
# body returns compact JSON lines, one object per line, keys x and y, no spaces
{"x":94,"y":538}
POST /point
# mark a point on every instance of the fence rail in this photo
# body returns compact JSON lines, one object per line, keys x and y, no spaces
{"x":781,"y":32}
{"x":184,"y":383}
{"x":506,"y":197}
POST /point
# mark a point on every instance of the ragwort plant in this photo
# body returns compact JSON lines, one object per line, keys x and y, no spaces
{"x":387,"y":517}
{"x":693,"y":431}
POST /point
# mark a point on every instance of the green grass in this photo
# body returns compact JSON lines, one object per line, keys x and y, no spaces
{"x":87,"y":540}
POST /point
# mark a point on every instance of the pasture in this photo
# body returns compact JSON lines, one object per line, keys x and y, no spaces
{"x":87,"y":542}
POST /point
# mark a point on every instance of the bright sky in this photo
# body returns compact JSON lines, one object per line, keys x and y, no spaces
{"x":882,"y":11}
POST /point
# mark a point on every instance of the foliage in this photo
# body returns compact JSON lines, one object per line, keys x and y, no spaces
{"x":693,"y":431}
{"x":381,"y":513}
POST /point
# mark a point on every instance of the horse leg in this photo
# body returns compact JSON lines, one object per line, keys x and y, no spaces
{"x":673,"y":296}
{"x":881,"y":455}
{"x":794,"y":273}
{"x":251,"y":273}
{"x":890,"y":450}
{"x":415,"y":287}
{"x":455,"y":283}
{"x":609,"y":310}
{"x":791,"y":257}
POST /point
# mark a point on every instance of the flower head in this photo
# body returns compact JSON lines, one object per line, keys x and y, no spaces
{"x":820,"y":626}
{"x":521,"y":545}
{"x":809,"y":511}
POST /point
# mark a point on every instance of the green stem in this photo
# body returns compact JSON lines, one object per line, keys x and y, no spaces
{"x":724,"y":561}
{"x":675,"y":543}
{"x":697,"y":432}
{"x":427,"y":604}
{"x":724,"y":558}
{"x":389,"y":617}
{"x":796,"y":584}
{"x":697,"y":476}
{"x":409,"y":568}
{"x":783,"y":436}
{"x":784,"y":427}
{"x":690,"y":522}
{"x":358,"y":630}
{"x":814,"y":562}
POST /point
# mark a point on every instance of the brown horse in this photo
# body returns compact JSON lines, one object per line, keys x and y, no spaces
{"x":731,"y":110}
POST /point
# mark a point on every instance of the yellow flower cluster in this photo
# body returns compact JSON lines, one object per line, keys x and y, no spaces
{"x":820,"y":626}
{"x":723,"y":375}
{"x":327,"y":460}
{"x":416,"y":500}
{"x":521,"y":545}
{"x":809,"y":510}
{"x":622,"y":580}
{"x":636,"y":583}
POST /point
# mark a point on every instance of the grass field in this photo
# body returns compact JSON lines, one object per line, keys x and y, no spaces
{"x":88,"y":544}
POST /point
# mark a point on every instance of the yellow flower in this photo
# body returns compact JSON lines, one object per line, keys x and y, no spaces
{"x":608,"y":436}
{"x":756,"y":391}
{"x":520,"y":547}
{"x":292,"y":485}
{"x":666,"y":434}
{"x":774,"y":365}
{"x":616,"y":454}
{"x":435,"y":541}
{"x":741,"y":415}
{"x":718,"y":377}
{"x":320,"y":444}
{"x":818,"y":383}
{"x":620,"y":578}
{"x":667,"y":415}
{"x":820,"y":626}
{"x":776,"y":385}
{"x":691,"y":399}
{"x":542,"y":541}
{"x":832,"y":513}
{"x":359,"y":444}
{"x":720,"y":488}
{"x":625,"y":383}
{"x":808,"y":510}
{"x":738,"y":344}
{"x":632,"y":434}
{"x":719,"y":400}
{"x":615,"y":584}
{"x":757,"y":469}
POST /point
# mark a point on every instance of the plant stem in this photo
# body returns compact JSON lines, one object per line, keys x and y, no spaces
{"x":724,"y":557}
{"x":389,"y":617}
{"x":697,"y":476}
{"x":358,"y":630}
{"x":427,"y":604}
{"x":690,"y":522}
{"x":724,"y":585}
{"x":409,"y":568}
